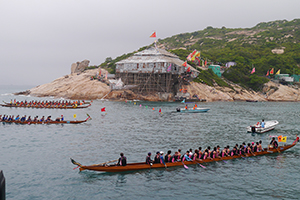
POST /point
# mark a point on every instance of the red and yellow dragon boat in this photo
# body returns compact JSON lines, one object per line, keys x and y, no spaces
{"x":103,"y":167}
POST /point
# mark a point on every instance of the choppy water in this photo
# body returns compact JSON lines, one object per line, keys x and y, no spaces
{"x":35,"y":159}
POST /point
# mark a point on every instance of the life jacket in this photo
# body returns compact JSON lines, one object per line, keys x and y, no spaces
{"x":122,"y":161}
{"x":156,"y":159}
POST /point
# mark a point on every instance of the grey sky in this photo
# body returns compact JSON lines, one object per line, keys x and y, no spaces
{"x":40,"y":39}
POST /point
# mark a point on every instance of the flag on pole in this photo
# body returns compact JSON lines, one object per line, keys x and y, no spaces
{"x":193,"y":58}
{"x":103,"y":109}
{"x":267,"y":73}
{"x":189,"y":57}
{"x":278,"y":72}
{"x":169,"y":68}
{"x":205,"y":63}
{"x":184,"y":64}
{"x":189,"y":69}
{"x":279,"y":138}
{"x":159,"y":110}
{"x":153,"y":35}
{"x":284,"y":139}
{"x":253,"y":70}
{"x":272,"y":71}
{"x":193,"y":53}
{"x":99,"y":71}
{"x":106,"y":75}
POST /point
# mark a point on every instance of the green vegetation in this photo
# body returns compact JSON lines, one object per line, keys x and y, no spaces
{"x":209,"y":77}
{"x":249,"y":47}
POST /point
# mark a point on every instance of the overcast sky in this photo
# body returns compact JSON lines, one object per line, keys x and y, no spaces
{"x":40,"y":39}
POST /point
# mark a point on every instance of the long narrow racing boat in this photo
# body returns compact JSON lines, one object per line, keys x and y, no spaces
{"x":44,"y":106}
{"x":103,"y":167}
{"x":47,"y":122}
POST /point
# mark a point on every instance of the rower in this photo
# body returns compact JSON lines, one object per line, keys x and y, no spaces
{"x":162,"y":158}
{"x":29,"y":119}
{"x":17,"y":118}
{"x":224,"y":152}
{"x":157,"y":158}
{"x":179,"y":154}
{"x":35,"y":119}
{"x":200,"y":152}
{"x":273,"y":143}
{"x":122,"y":160}
{"x":168,"y":157}
{"x":186,"y":107}
{"x":48,"y":119}
{"x":175,"y":157}
{"x":42,"y":119}
{"x":23,"y":118}
{"x":149,"y":161}
{"x":186,"y":157}
{"x":259,"y":146}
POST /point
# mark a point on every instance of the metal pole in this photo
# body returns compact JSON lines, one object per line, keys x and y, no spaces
{"x":2,"y":186}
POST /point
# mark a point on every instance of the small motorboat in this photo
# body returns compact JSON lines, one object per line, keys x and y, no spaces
{"x":192,"y":110}
{"x":256,"y":128}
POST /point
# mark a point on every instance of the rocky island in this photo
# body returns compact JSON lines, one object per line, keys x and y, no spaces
{"x":78,"y":85}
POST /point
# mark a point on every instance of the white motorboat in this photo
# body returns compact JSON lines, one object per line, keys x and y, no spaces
{"x":192,"y":110}
{"x":256,"y":128}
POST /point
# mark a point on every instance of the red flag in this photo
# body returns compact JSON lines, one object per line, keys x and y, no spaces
{"x":267,"y":73}
{"x":103,"y":109}
{"x":272,"y":71}
{"x":184,"y":64}
{"x":159,"y":110}
{"x":153,"y":34}
{"x":189,"y":69}
{"x":205,"y":63}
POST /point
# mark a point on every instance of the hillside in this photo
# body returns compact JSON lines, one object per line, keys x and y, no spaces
{"x":267,"y":45}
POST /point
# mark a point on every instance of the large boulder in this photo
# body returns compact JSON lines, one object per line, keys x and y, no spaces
{"x":79,"y":67}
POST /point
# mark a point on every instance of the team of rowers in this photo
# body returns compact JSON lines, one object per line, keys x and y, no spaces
{"x":11,"y":118}
{"x":199,"y":155}
{"x":208,"y":153}
{"x":46,"y":103}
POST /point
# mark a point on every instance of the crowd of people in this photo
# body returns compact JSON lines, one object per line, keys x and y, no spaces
{"x":11,"y":118}
{"x":199,"y":154}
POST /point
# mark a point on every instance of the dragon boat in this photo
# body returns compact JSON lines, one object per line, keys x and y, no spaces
{"x":47,"y":122}
{"x":44,"y":106}
{"x":104,"y":167}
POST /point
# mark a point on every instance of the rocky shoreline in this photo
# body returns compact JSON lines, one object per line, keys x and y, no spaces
{"x":80,"y":86}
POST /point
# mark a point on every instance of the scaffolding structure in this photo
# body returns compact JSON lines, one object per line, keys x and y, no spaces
{"x":151,"y":82}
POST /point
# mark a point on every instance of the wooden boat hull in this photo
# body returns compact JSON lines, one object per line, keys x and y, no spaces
{"x":269,"y":125}
{"x":191,"y":110}
{"x":142,"y":166}
{"x":48,"y":107}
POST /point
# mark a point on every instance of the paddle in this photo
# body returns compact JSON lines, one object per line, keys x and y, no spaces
{"x":201,"y":165}
{"x":184,"y":165}
{"x":222,"y":159}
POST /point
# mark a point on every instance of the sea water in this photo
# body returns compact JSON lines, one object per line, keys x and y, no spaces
{"x":36,"y":163}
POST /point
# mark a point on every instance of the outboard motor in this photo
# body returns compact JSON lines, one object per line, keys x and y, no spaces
{"x":253,"y":129}
{"x":178,"y":109}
